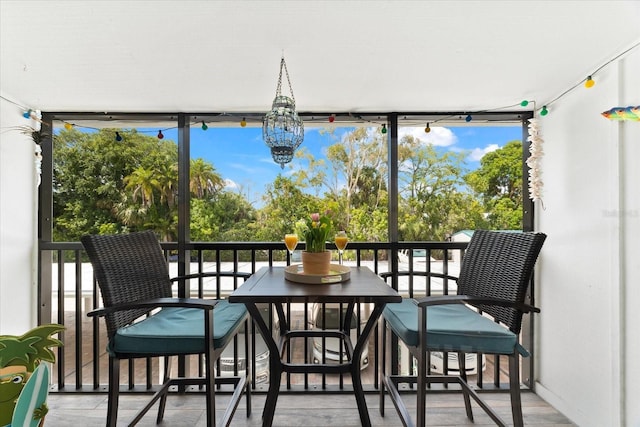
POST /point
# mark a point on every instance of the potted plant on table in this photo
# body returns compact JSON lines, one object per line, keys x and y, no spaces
{"x":316,"y":229}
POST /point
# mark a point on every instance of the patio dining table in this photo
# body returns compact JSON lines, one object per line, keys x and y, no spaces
{"x":269,"y":285}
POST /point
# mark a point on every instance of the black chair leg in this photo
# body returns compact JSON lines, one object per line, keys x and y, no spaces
{"x":210,"y":390}
{"x":247,"y":392}
{"x":114,"y":389}
{"x":421,"y":391}
{"x":462,"y":368}
{"x":248,"y":371}
{"x":382,"y":369}
{"x":163,"y":400}
{"x":514,"y":385}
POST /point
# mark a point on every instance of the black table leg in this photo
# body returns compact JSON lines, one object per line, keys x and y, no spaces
{"x":275,"y":376}
{"x":355,"y":365}
{"x":275,"y":365}
{"x":359,"y":393}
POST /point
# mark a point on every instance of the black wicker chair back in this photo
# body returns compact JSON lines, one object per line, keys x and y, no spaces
{"x":500,"y":265}
{"x":128,"y":267}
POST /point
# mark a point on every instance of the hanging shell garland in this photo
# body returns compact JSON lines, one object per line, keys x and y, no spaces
{"x":536,"y":153}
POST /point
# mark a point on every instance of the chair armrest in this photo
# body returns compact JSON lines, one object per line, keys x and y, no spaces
{"x":205,"y":304}
{"x":466,"y":299}
{"x":240,"y":274}
{"x":387,"y":274}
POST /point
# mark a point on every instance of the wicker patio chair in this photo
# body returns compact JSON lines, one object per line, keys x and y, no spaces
{"x":133,"y":277}
{"x":493,"y":281}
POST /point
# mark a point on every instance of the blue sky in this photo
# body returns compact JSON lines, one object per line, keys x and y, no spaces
{"x":242,"y":158}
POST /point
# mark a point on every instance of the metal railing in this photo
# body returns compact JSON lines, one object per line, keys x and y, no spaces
{"x":68,"y":291}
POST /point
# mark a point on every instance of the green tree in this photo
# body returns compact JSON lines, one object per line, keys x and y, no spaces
{"x":143,"y":183}
{"x":370,"y":188}
{"x":498,"y":183}
{"x":353,"y":176}
{"x":313,"y":175}
{"x":107,"y":186}
{"x":434,"y":201}
{"x":204,"y":180}
{"x":95,"y":178}
{"x":285,"y":205}
{"x":359,"y":162}
{"x":226,"y":217}
{"x":168,"y":181}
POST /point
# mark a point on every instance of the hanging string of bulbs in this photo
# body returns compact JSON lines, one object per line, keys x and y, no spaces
{"x":588,"y":82}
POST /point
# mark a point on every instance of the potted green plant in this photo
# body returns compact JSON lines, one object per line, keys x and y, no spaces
{"x":317,"y":229}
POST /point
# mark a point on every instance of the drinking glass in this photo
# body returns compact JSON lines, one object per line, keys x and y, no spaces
{"x":291,"y":241}
{"x":341,"y":243}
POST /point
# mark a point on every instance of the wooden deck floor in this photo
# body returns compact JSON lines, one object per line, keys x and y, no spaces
{"x":309,"y":410}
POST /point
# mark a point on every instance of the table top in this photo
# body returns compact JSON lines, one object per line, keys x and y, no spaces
{"x":269,"y":285}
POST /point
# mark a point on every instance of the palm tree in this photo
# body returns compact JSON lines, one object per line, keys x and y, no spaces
{"x":168,"y":181}
{"x":143,"y":182}
{"x":204,"y":179}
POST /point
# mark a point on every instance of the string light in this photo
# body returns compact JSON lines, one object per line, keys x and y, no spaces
{"x":589,"y":79}
{"x":589,"y":82}
{"x":204,"y":126}
{"x":118,"y":137}
{"x":427,"y":129}
{"x":372,"y":122}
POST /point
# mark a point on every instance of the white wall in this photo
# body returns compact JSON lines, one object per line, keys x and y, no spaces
{"x":589,"y":278}
{"x":17,"y":222}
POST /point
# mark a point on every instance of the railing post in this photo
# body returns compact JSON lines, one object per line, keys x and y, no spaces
{"x":45,"y":222}
{"x":393,"y":221}
{"x":183,"y":218}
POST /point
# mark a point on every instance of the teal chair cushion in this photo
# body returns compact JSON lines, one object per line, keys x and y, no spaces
{"x":453,"y":327}
{"x":178,"y":331}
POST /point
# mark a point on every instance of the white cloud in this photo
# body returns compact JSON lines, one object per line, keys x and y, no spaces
{"x":439,"y":136}
{"x":230,"y":184}
{"x":478,"y":153}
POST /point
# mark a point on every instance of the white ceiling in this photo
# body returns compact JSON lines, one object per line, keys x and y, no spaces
{"x":342,"y":56}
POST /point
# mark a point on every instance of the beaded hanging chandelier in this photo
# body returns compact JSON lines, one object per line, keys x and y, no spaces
{"x":282,"y":129}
